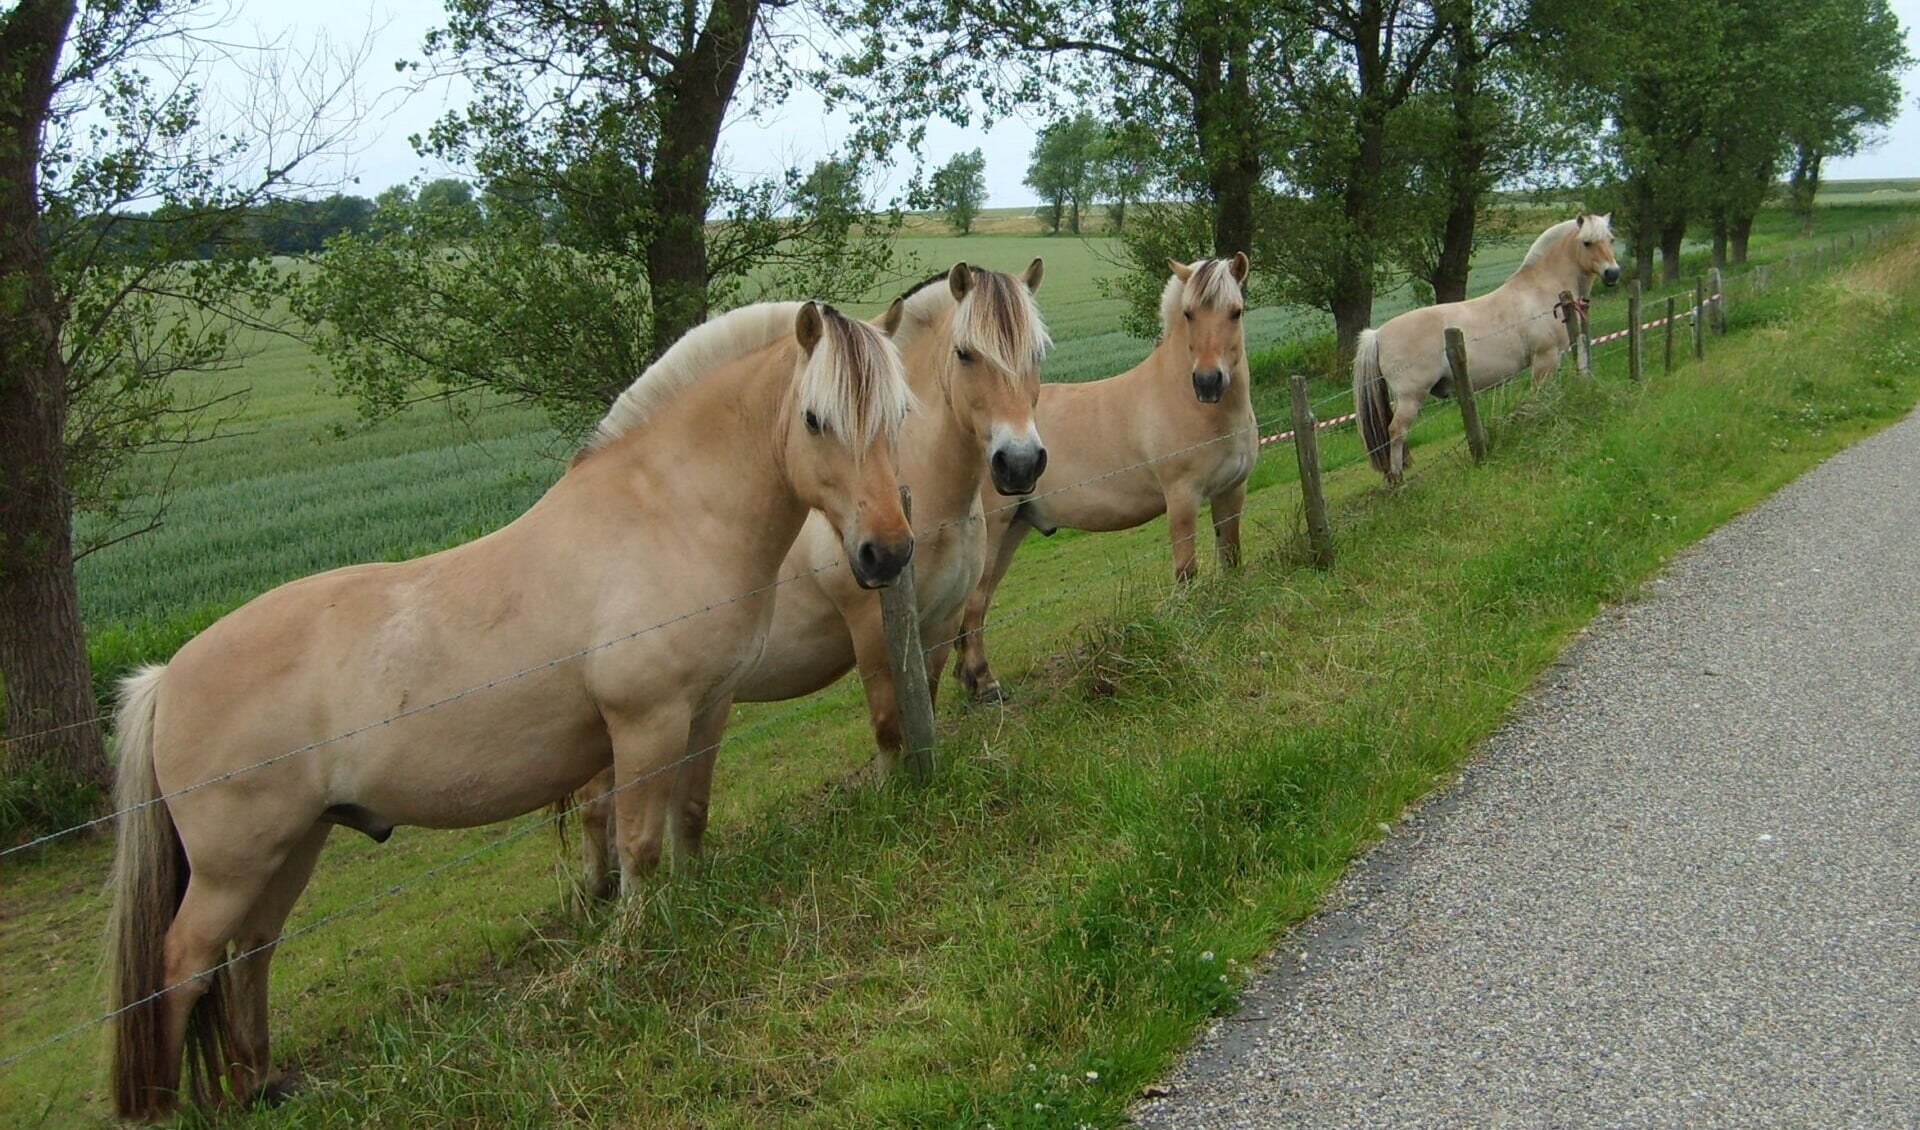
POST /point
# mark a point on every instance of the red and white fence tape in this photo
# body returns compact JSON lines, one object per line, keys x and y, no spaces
{"x":1288,"y":434}
{"x":1616,"y":335}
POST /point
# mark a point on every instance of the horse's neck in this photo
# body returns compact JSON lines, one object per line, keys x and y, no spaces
{"x":943,"y":456}
{"x":1552,"y":273}
{"x":714,"y":448}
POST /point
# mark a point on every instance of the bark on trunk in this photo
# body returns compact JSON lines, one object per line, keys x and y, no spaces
{"x":1804,"y":186}
{"x":696,"y":96}
{"x":1673,"y":234}
{"x":1720,"y":239}
{"x":1228,"y":133}
{"x":1742,"y":229}
{"x":43,"y":652}
{"x":1451,"y":269}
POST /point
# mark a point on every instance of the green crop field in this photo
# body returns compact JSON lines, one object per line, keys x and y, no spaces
{"x":1022,"y":943}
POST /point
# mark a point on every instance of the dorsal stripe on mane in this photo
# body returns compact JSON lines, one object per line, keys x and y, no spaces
{"x":998,"y":320}
{"x":1566,"y":229}
{"x":1210,"y":285}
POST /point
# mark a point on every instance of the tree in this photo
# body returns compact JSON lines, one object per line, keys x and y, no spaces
{"x":1064,"y":169}
{"x":1196,"y":73}
{"x":453,"y":201}
{"x":1123,"y":168}
{"x":1844,"y":84}
{"x":100,"y":306}
{"x":604,"y":118}
{"x":959,"y":188}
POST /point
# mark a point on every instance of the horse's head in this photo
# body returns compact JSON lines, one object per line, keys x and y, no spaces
{"x":1205,"y":302}
{"x":1593,"y":248}
{"x":991,"y":355}
{"x":843,"y":417}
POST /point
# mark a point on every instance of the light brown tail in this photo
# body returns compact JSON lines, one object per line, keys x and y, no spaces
{"x":149,"y":878}
{"x":1371,"y":403}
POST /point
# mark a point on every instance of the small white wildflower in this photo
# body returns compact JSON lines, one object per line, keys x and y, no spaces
{"x":1093,"y":1076}
{"x":1039,"y":1106}
{"x":1207,"y":956}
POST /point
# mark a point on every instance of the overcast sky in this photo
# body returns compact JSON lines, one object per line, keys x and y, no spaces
{"x":797,"y":133}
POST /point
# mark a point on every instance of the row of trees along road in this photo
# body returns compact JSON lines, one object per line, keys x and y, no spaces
{"x":1346,"y":144}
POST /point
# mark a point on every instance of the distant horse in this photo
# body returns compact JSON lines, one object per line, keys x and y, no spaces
{"x":1163,"y":437}
{"x":1515,"y":326}
{"x":476,"y":684}
{"x":972,"y":341}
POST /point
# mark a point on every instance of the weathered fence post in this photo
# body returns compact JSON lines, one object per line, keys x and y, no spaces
{"x":1699,"y":318}
{"x":1669,"y":323}
{"x":1576,"y":332}
{"x":913,"y":700}
{"x":1633,"y":331}
{"x":1306,"y":448}
{"x":1463,"y":392}
{"x":1717,"y":288}
{"x":1760,"y":279}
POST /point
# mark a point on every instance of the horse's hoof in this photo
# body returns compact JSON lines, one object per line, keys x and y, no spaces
{"x":276,"y":1091}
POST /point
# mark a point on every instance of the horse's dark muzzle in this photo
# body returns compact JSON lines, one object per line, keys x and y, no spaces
{"x":1016,"y":471}
{"x":877,"y":564}
{"x":1610,"y":276}
{"x":1210,"y":386}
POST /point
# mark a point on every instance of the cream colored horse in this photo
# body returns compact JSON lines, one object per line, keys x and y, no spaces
{"x":483,"y":682}
{"x":1171,"y":433}
{"x":1514,"y":327}
{"x":972,"y":341}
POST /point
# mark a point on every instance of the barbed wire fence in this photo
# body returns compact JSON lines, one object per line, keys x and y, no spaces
{"x":1706,"y":311}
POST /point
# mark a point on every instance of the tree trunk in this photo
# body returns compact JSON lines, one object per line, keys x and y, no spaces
{"x":1720,"y":239}
{"x":1469,"y":158}
{"x":1804,"y":186}
{"x":695,"y":95}
{"x":43,"y":651}
{"x":1742,"y":228}
{"x":1673,"y":233}
{"x":1073,"y":217}
{"x":1228,"y":135}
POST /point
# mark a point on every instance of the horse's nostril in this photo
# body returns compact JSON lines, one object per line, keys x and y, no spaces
{"x":999,"y":463}
{"x":869,"y":556}
{"x":1040,"y":465}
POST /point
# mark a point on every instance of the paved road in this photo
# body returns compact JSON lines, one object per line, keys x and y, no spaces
{"x":1681,"y":889}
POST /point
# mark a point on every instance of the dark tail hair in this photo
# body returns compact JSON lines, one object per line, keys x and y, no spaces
{"x":1370,"y":401}
{"x":149,"y":879}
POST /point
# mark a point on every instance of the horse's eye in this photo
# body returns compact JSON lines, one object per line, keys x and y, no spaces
{"x":813,"y":423}
{"x":1587,"y":242}
{"x":965,"y":355}
{"x":1236,"y":313}
{"x":1188,"y":314}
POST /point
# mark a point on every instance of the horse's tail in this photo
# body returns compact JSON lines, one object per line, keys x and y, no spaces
{"x":1370,"y":402}
{"x":149,"y":879}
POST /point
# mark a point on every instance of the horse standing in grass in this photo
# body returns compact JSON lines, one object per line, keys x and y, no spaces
{"x":1163,"y":437}
{"x":1517,"y":325}
{"x":479,"y":683}
{"x":971,"y":341}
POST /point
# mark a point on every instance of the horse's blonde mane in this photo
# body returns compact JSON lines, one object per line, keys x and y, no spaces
{"x":997,"y":321}
{"x":1211,"y":284}
{"x":705,"y":347}
{"x":854,"y":383}
{"x":1588,"y":226}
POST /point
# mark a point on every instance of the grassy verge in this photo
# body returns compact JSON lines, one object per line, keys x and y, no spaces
{"x":1033,"y":937}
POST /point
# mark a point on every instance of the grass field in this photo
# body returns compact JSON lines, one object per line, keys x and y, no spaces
{"x":1181,"y":778}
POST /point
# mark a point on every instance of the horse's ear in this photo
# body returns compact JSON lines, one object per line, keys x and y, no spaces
{"x":960,"y":280}
{"x":1580,"y":221}
{"x":1035,"y":271}
{"x":896,"y":313}
{"x":1240,"y":266}
{"x":1180,"y":270}
{"x":808,"y":327}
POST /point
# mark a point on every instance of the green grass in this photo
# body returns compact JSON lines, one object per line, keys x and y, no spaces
{"x":1182,"y":776}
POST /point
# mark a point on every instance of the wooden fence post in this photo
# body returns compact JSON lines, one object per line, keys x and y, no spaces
{"x":913,"y":700}
{"x":1463,"y":392}
{"x":1576,"y":331}
{"x":1633,"y":331}
{"x":1306,"y":448}
{"x":1699,"y":318}
{"x":1717,"y":289}
{"x":1670,"y":317}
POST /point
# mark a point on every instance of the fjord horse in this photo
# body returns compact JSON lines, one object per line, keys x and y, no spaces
{"x":1163,"y":437}
{"x":971,"y":341}
{"x":1516,"y":326}
{"x":483,"y":682}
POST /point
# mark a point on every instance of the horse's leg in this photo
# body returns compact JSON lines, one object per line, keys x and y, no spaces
{"x":1545,"y":363}
{"x":1225,"y":510}
{"x":258,"y":938}
{"x":648,"y":750}
{"x":936,"y":664}
{"x":694,"y":782}
{"x":211,"y":913}
{"x":1405,"y":411}
{"x":1183,"y":525}
{"x":872,"y":664}
{"x":973,"y":671}
{"x":597,"y":873}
